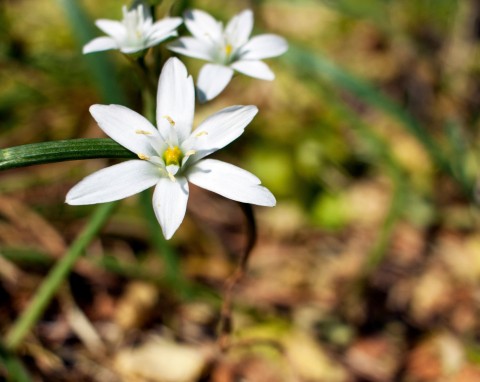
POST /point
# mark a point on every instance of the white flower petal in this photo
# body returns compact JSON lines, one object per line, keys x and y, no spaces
{"x":212,"y":79}
{"x":113,"y":28}
{"x":231,"y":182}
{"x":256,"y":69}
{"x":170,"y":204}
{"x":239,"y":28}
{"x":125,"y":126}
{"x":165,"y":25}
{"x":220,"y":129}
{"x":263,"y":46}
{"x":113,"y":183}
{"x":192,"y":47}
{"x":203,"y":26}
{"x":156,"y":39}
{"x":176,"y":97}
{"x":162,"y":29}
{"x":100,"y":44}
{"x":133,"y":48}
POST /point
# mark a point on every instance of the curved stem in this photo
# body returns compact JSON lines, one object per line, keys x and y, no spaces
{"x":226,"y":310}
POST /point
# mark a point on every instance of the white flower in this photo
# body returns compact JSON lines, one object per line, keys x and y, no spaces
{"x":171,"y":155}
{"x":227,"y":49}
{"x":134,"y":33}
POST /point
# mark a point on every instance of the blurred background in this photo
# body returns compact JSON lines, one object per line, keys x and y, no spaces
{"x":368,"y":268}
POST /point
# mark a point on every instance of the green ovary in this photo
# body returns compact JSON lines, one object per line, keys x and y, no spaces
{"x":172,"y":155}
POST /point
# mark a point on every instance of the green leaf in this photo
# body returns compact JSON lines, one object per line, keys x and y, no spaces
{"x":14,"y":367}
{"x":59,"y":151}
{"x":315,"y":65}
{"x":99,"y":64}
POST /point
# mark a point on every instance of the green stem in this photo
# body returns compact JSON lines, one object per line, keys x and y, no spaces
{"x":59,"y":151}
{"x":141,"y":68}
{"x":55,"y":278}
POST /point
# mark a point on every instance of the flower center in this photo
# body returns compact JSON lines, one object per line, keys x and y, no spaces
{"x":228,"y":50}
{"x":172,"y":155}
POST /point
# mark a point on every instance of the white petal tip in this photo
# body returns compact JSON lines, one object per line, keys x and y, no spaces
{"x":168,"y":235}
{"x":266,"y":198}
{"x":71,"y":201}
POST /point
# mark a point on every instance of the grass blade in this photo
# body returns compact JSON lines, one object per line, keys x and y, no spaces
{"x":59,"y":151}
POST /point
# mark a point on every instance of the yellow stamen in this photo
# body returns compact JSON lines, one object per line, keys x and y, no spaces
{"x":172,"y":178}
{"x":169,"y":119}
{"x":143,"y":156}
{"x":200,"y":133}
{"x":172,"y":155}
{"x":143,"y":132}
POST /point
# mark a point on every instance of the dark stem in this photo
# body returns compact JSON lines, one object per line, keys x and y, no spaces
{"x":141,"y":68}
{"x":226,"y":324}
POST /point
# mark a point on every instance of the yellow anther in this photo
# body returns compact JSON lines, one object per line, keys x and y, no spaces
{"x":172,"y":155}
{"x":169,"y":119}
{"x":200,"y":133}
{"x":172,"y":178}
{"x":143,"y":156}
{"x":143,"y":132}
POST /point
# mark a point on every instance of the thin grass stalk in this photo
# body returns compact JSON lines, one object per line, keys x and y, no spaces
{"x":55,"y":278}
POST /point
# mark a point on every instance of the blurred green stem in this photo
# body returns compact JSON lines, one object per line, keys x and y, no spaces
{"x":55,"y":278}
{"x":14,"y":367}
{"x":144,"y":75}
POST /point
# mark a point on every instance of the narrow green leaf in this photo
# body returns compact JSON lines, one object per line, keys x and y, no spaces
{"x":99,"y":64}
{"x":56,"y":276}
{"x":59,"y":151}
{"x":314,"y":65}
{"x":14,"y":367}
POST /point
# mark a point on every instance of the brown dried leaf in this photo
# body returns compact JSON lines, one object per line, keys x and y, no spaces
{"x":28,"y":227}
{"x":159,"y":360}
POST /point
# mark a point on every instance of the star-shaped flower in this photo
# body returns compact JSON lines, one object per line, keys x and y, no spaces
{"x":134,"y":33}
{"x":227,"y":49}
{"x":171,"y":155}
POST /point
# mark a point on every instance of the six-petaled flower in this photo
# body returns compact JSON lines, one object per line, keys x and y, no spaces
{"x":227,"y":49}
{"x":134,"y":33}
{"x":171,"y":155}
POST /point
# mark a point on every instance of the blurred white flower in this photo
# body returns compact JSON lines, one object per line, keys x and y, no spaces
{"x":171,"y":155}
{"x":134,"y":33}
{"x":227,"y":49}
